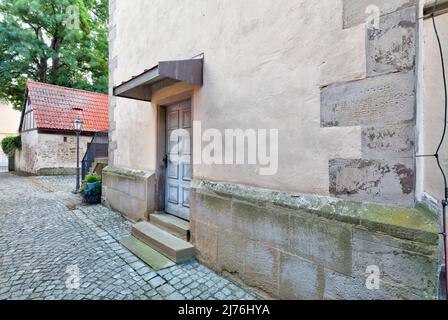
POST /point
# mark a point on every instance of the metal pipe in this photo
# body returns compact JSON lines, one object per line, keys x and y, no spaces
{"x":444,"y":236}
{"x":77,"y":163}
{"x":445,"y":249}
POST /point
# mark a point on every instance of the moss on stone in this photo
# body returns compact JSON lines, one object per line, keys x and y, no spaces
{"x":405,"y":223}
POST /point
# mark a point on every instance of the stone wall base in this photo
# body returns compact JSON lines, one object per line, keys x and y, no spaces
{"x":48,"y":172}
{"x":307,"y":247}
{"x":130,"y":192}
{"x":56,"y":172}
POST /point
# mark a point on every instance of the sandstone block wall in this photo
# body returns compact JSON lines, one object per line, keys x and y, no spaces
{"x":297,"y":247}
{"x":130,"y":192}
{"x":49,"y":154}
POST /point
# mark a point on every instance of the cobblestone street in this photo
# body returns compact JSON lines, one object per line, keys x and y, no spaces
{"x":46,"y":235}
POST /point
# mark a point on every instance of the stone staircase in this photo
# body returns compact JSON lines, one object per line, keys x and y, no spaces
{"x":171,"y":224}
{"x":167,"y":235}
{"x":98,"y":165}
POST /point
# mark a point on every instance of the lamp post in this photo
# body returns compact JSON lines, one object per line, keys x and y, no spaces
{"x":78,"y":129}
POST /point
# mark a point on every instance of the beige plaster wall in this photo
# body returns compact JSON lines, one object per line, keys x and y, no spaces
{"x":49,"y":151}
{"x":53,"y":152}
{"x":433,"y":104}
{"x":9,"y":122}
{"x":25,"y":158}
{"x":265,"y":65}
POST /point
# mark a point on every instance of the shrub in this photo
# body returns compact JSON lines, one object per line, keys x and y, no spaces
{"x":92,"y":179}
{"x":97,"y":189}
{"x":11,"y":144}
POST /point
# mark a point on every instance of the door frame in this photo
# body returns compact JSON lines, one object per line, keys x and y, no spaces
{"x":161,"y":148}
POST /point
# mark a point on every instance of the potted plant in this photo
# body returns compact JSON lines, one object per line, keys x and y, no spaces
{"x":91,"y":189}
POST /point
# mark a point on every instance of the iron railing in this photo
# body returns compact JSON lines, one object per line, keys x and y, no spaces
{"x":98,"y":148}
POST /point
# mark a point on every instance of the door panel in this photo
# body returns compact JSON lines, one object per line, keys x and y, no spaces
{"x":187,"y":172}
{"x":179,"y":152}
{"x":173,"y":120}
{"x":186,"y":198}
{"x":173,"y":194}
{"x":173,"y":172}
{"x":186,"y":119}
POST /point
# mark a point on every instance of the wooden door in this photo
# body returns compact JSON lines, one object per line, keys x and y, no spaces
{"x":179,"y":159}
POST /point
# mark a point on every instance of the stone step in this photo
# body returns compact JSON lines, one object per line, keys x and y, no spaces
{"x":102,"y":160}
{"x":165,"y":243}
{"x":148,"y":255}
{"x":171,"y":224}
{"x":98,"y":165}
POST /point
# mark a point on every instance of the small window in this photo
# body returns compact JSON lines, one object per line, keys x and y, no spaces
{"x":65,"y":139}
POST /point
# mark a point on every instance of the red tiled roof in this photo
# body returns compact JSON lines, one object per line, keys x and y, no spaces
{"x":56,"y":107}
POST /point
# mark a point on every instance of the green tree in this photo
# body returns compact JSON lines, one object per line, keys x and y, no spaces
{"x":9,"y":145}
{"x":43,"y":40}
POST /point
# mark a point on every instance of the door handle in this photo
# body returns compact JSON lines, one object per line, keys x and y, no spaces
{"x":165,"y":160}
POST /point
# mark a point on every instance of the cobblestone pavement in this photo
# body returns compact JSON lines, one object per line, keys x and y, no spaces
{"x":46,"y":237}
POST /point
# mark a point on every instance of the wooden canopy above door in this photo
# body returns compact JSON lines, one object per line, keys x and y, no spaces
{"x":141,"y":87}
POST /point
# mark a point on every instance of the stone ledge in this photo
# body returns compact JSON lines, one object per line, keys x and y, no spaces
{"x":418,"y":224}
{"x":128,"y":173}
{"x":129,"y":191}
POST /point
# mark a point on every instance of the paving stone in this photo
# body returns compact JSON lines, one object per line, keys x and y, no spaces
{"x":151,"y":293}
{"x":195,"y":293}
{"x":175,"y":296}
{"x":156,"y":282}
{"x":149,"y":276}
{"x":137,"y":265}
{"x":166,"y":290}
{"x":174,"y":281}
{"x":41,"y":238}
{"x":179,"y":285}
{"x":187,"y":281}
